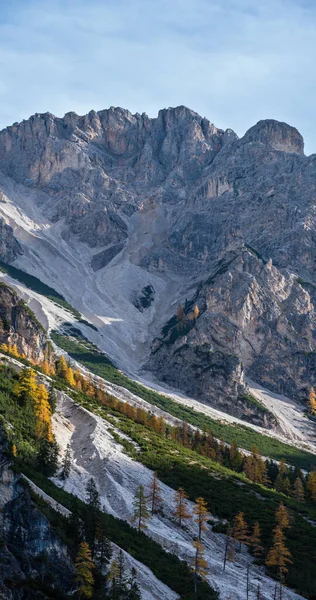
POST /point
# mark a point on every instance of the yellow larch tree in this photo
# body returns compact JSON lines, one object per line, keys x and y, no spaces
{"x":181,"y":512}
{"x":43,"y":413}
{"x":201,"y":515}
{"x":312,"y":401}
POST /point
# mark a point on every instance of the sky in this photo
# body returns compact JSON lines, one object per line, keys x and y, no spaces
{"x":232,"y":61}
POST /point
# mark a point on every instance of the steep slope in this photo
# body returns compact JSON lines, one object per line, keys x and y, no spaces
{"x":33,"y":558}
{"x":96,"y":453}
{"x":128,"y":216}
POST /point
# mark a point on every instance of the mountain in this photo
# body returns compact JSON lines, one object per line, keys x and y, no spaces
{"x":130,"y":217}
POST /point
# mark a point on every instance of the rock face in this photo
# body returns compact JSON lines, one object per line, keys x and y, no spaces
{"x":19,"y":326}
{"x":9,"y":246}
{"x":233,"y":221}
{"x":30,"y":549}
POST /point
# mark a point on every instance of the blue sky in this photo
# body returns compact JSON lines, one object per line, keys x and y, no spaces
{"x":233,"y":61}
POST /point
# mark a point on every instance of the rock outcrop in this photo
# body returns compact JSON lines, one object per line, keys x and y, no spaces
{"x":19,"y":326}
{"x":32,"y":556}
{"x":232,"y":221}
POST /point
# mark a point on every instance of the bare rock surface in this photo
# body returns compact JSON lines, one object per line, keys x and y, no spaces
{"x":109,"y":204}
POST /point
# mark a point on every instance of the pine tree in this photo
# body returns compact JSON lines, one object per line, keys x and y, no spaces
{"x":154,"y":495}
{"x":134,"y":591}
{"x":92,"y":512}
{"x":66,"y":464}
{"x":279,"y":556}
{"x":47,"y":458}
{"x":240,"y":529}
{"x":121,"y":577}
{"x":312,"y":401}
{"x":84,"y":571}
{"x":103,"y":550}
{"x":311,"y":486}
{"x":181,"y":512}
{"x":198,"y":564}
{"x":255,"y":541}
{"x":141,"y":513}
{"x":298,"y":490}
{"x":201,"y":515}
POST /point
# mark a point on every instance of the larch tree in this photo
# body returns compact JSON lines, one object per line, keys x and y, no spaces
{"x":255,"y":540}
{"x":298,"y":490}
{"x":154,"y":496}
{"x":201,"y":515}
{"x":198,"y":564}
{"x":61,"y":367}
{"x":26,"y":386}
{"x":312,"y":401}
{"x":282,"y":516}
{"x":181,"y":511}
{"x":141,"y":512}
{"x":84,"y":571}
{"x":240,"y":529}
{"x":311,"y":486}
{"x":279,"y":556}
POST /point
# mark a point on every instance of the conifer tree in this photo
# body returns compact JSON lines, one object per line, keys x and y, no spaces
{"x":93,"y":508}
{"x":61,"y":367}
{"x":14,"y":351}
{"x":201,"y":515}
{"x":84,"y":571}
{"x":45,"y":367}
{"x":134,"y":591}
{"x":240,"y":529}
{"x":103,"y":550}
{"x":121,"y":576}
{"x":155,"y":498}
{"x":52,"y":399}
{"x":141,"y":513}
{"x":311,"y":486}
{"x":181,"y":512}
{"x":229,"y":554}
{"x":66,"y":464}
{"x":312,"y":401}
{"x":26,"y":386}
{"x":298,"y":490}
{"x":47,"y":458}
{"x":199,"y":564}
{"x":113,"y":577}
{"x":43,"y":412}
{"x":279,"y":556}
{"x":255,"y":541}
{"x":282,"y":516}
{"x":69,"y":376}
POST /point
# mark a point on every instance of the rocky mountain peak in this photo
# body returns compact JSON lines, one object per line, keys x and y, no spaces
{"x":276,"y":135}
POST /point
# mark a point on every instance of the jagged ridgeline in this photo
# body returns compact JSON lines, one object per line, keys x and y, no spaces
{"x":171,"y":252}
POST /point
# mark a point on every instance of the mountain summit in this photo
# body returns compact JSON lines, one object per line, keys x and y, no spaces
{"x":192,"y":251}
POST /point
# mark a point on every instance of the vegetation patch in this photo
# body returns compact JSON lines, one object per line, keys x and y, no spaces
{"x":97,"y":362}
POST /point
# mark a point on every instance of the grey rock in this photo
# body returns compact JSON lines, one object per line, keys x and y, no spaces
{"x":238,"y":232}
